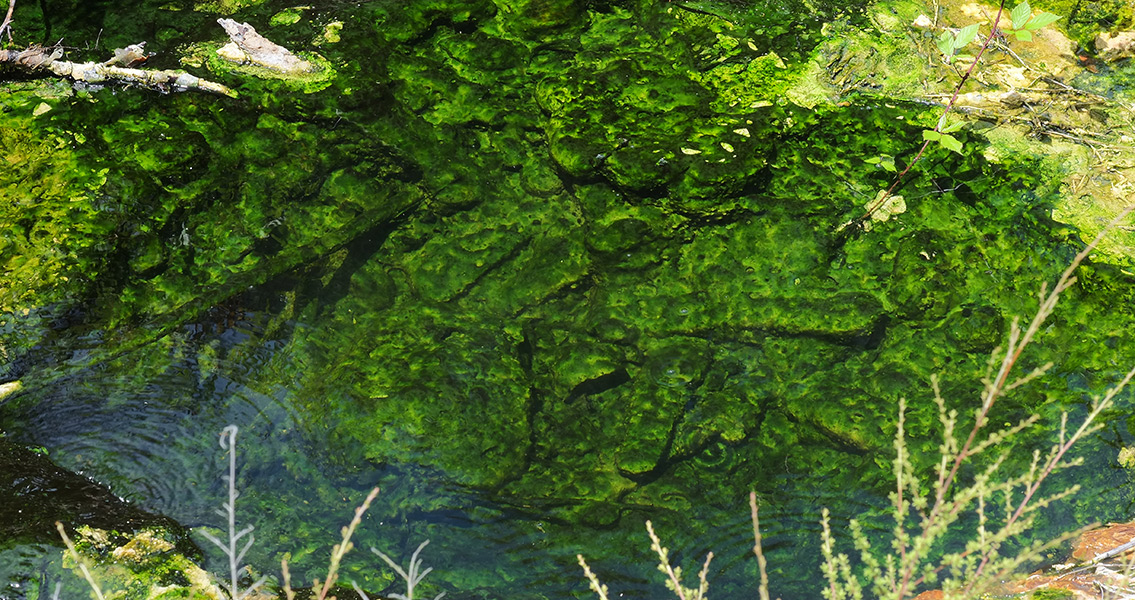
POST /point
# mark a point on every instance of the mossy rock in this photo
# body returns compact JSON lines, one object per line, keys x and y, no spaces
{"x":144,"y":565}
{"x":400,"y":22}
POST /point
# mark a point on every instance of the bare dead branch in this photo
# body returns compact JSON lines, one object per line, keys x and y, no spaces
{"x":41,"y":58}
{"x":6,"y":26}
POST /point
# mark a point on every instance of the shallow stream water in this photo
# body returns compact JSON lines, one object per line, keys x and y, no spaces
{"x":540,"y":271}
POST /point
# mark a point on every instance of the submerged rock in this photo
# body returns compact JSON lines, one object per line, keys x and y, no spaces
{"x":35,"y":493}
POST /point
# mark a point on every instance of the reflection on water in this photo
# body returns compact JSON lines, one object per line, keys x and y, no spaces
{"x":154,"y":440}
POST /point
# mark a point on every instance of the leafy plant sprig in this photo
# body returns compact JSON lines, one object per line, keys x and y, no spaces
{"x":943,"y":137}
{"x":1023,"y":23}
{"x":950,"y":42}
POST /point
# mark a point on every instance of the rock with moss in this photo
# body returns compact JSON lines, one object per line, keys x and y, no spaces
{"x":143,"y":565}
{"x":226,"y":7}
{"x":1085,"y":22}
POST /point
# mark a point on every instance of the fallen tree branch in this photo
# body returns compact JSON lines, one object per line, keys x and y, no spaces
{"x":40,"y":58}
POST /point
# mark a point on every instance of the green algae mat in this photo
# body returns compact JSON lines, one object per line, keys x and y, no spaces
{"x":540,"y":270}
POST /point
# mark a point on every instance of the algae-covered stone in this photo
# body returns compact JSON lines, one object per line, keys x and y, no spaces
{"x":226,"y":7}
{"x":401,"y":21}
{"x":1126,"y":457}
{"x":144,"y":565}
{"x":289,"y":16}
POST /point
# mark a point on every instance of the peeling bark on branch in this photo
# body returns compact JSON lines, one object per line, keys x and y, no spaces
{"x":33,"y":58}
{"x":250,"y":47}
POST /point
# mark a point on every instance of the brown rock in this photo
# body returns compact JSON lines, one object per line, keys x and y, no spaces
{"x":1084,"y":580}
{"x":1098,"y":541}
{"x":1114,"y":46}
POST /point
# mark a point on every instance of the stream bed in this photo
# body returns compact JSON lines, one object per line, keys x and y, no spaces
{"x":539,"y":270}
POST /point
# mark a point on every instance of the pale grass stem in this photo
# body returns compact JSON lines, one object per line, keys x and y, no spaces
{"x":413,"y":575}
{"x":944,"y":511}
{"x":673,"y":574}
{"x":599,"y":589}
{"x":79,"y":560}
{"x":762,"y":564}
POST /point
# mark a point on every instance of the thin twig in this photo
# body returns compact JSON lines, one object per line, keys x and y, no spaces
{"x":1114,"y":551}
{"x":6,"y":26}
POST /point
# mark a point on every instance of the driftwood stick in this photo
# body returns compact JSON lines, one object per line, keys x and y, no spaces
{"x":163,"y":81}
{"x":1114,"y":551}
{"x":33,"y":58}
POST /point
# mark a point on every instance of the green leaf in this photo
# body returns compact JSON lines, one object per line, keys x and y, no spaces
{"x":965,"y":36}
{"x":886,"y":161}
{"x":946,"y":43}
{"x":1023,"y":35}
{"x":953,"y":127}
{"x":1041,"y":20}
{"x":1021,"y":14}
{"x":930,"y":135}
{"x":951,"y":143}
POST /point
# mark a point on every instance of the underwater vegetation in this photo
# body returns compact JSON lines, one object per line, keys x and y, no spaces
{"x":575,"y":264}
